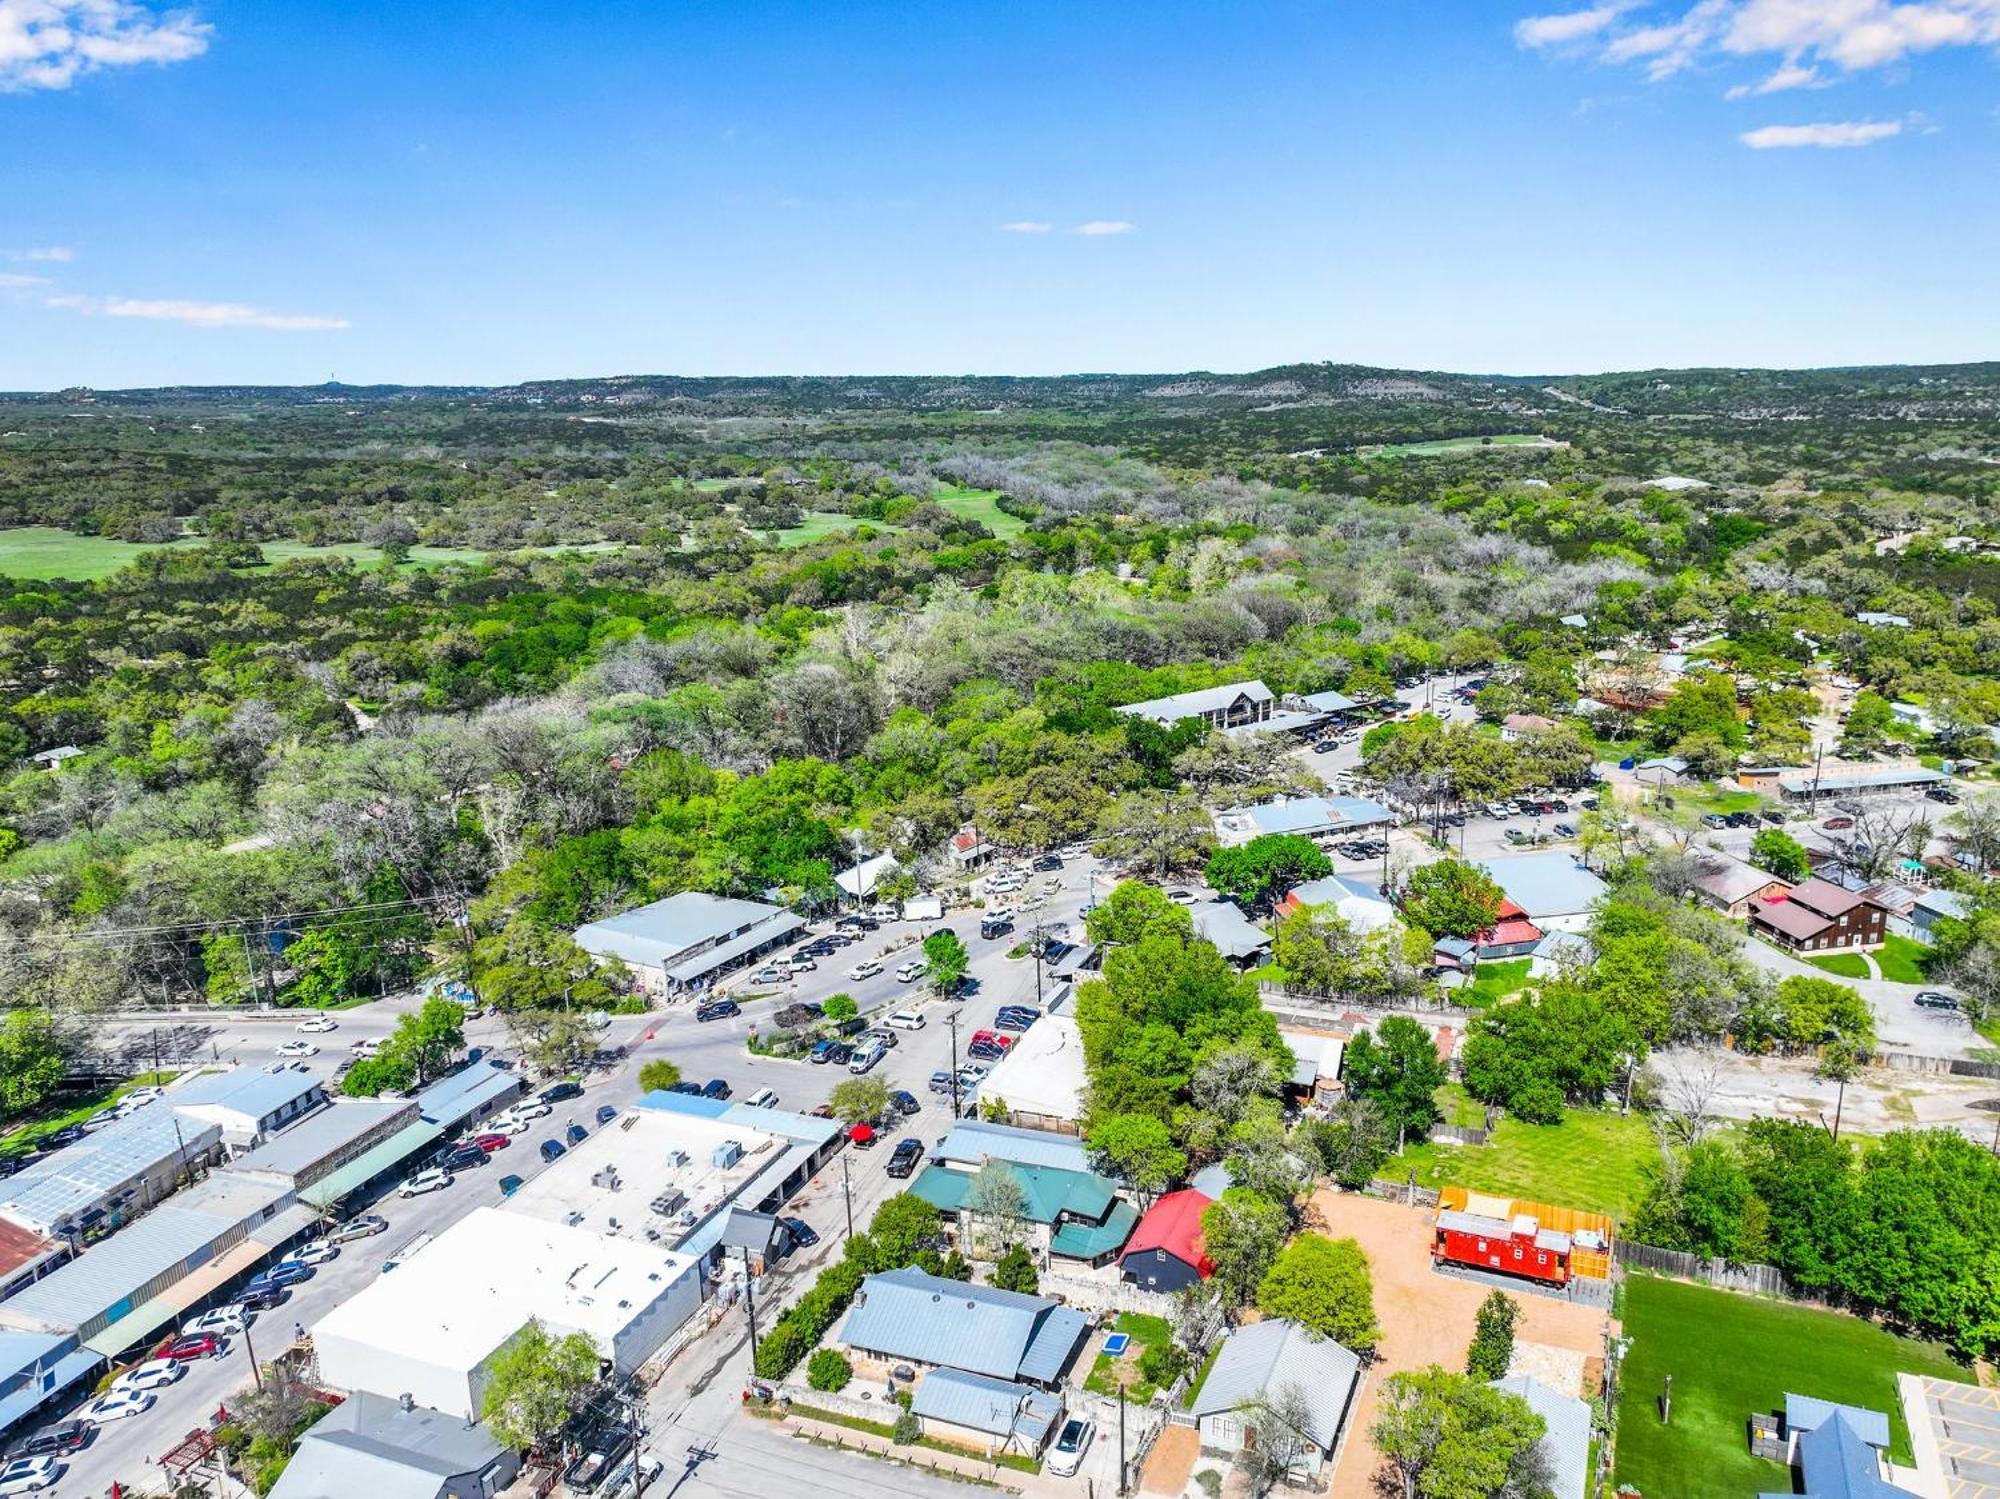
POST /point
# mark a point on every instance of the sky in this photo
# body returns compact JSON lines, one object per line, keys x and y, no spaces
{"x":486,"y":191}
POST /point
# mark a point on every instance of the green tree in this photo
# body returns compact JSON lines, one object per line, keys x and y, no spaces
{"x":860,"y":1098}
{"x":1701,"y":1202}
{"x":34,"y":1055}
{"x":1352,"y":1142}
{"x":1323,"y":1284}
{"x":903,"y":1229}
{"x":1258,"y":871}
{"x":998,"y":1203}
{"x":1492,"y":1350}
{"x":829,"y":1370}
{"x":657,"y":1074}
{"x":1452,"y":898}
{"x":429,"y":1037}
{"x":1135,"y":911}
{"x":1138,"y":1148}
{"x":1443,"y":1435}
{"x":840,"y":1007}
{"x":1319,"y":952}
{"x":1241,"y":1233}
{"x":1160,"y":830}
{"x":1396,"y":1068}
{"x":534,"y":1385}
{"x":1779,"y":852}
{"x":945,"y":960}
{"x":1870,"y":721}
{"x":1015,"y":1271}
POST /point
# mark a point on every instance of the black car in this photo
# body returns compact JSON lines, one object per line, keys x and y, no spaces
{"x":1943,"y":794}
{"x":693,"y":1089}
{"x":985,"y":1051}
{"x":717,"y":1009}
{"x":905,"y":1102}
{"x":261,"y":1298}
{"x":1047,"y":864}
{"x":557,"y":1092}
{"x":803,"y":1236}
{"x":62,"y":1438}
{"x":903,"y":1159}
{"x":716,"y":1088}
{"x":839,"y":1053}
{"x":461,"y":1156}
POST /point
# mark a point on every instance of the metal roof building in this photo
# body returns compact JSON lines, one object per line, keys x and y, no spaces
{"x":320,"y":1145}
{"x":1307,"y":816}
{"x":468,"y":1095}
{"x":1551,"y":889}
{"x":1016,"y":1416}
{"x":1223,"y":923}
{"x":1041,"y":1078}
{"x":1267,"y":1356}
{"x":687,"y":938}
{"x":248,"y":1104}
{"x":376,"y":1446}
{"x":926,"y":1319}
{"x":120,"y":1169}
{"x":1858,"y":783}
{"x":1228,"y":706}
{"x":973,"y":1141}
{"x":1566,"y":1434}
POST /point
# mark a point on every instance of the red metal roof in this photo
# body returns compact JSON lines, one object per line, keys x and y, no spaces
{"x":1827,"y":899}
{"x":1785,"y":916}
{"x":1173,"y":1224}
{"x":1507,"y":932}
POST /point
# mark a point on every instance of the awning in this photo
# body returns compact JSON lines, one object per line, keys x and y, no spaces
{"x":282,"y":1227}
{"x":1078,"y":1240}
{"x":48,"y":1383}
{"x":137,"y":1326}
{"x":365,"y":1167}
{"x":763,"y":935}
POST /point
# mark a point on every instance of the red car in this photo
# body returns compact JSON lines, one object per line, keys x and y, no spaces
{"x":198,"y":1345}
{"x":491,"y":1143}
{"x":991,"y":1038}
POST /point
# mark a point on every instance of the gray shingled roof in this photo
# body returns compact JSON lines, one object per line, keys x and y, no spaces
{"x":1266,"y":1356}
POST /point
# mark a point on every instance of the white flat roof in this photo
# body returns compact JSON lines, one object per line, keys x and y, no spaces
{"x":1042,"y":1072}
{"x":473,"y":1287}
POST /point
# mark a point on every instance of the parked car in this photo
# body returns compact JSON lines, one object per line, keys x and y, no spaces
{"x":366,"y":1226}
{"x":1565,"y":830}
{"x":116,"y":1405}
{"x":940,"y":1082}
{"x":823,"y":1051}
{"x":1016,"y":1017}
{"x":905,"y":1102}
{"x":767,"y":976}
{"x":1837,"y":824}
{"x":558,"y":1092}
{"x":529,"y":1109}
{"x":552,"y":1150}
{"x":865,"y":1059}
{"x":866,"y":970}
{"x":1066,"y":1456}
{"x":903,"y":1159}
{"x":1931,"y":999}
{"x":492,"y":1141}
{"x":58,"y":1440}
{"x":1942,"y":794}
{"x":862,"y":1135}
{"x":911,"y":971}
{"x":887,"y":1037}
{"x":224,"y":1321}
{"x":201,"y":1345}
{"x":763,"y":1098}
{"x":317,"y":1252}
{"x":284,"y":1273}
{"x":317,"y":1025}
{"x":29,"y":1475}
{"x":717,"y":1009}
{"x":154,"y":1374}
{"x":433,"y":1180}
{"x":461,"y":1156}
{"x":715,"y":1088}
{"x":905,"y":1020}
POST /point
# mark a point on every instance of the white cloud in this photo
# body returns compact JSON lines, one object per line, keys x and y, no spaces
{"x":1828,"y":135}
{"x":49,"y":44}
{"x":1026,"y":226}
{"x":46,"y":253}
{"x":15,"y":278}
{"x":1098,"y":227}
{"x":197,"y":314}
{"x":1803,"y":35}
{"x":1568,"y":27}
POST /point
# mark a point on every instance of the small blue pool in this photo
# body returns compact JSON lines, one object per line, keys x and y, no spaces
{"x":1117,"y":1343}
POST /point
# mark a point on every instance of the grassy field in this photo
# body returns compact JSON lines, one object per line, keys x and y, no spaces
{"x":72,"y":1109}
{"x":1492,"y":982}
{"x":1904,"y":961}
{"x":367,"y":556}
{"x":1147,"y":1332}
{"x":820,"y":524}
{"x":1445,"y":446}
{"x":1592,"y":1160}
{"x":43,"y":552}
{"x":1731,"y":1355}
{"x":983,"y":506}
{"x":1842,"y":965}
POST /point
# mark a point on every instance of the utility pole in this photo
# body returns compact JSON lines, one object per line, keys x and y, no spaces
{"x":750,"y":1289}
{"x":847,"y":1193}
{"x":632,"y":1408}
{"x":1121,"y":1438}
{"x":251,"y":1349}
{"x":952,"y":1021}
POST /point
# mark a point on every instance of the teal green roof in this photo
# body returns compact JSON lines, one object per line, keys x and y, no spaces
{"x":1051,"y":1192}
{"x":364,"y":1168}
{"x":1087,"y":1241}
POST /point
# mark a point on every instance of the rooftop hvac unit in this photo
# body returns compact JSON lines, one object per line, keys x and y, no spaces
{"x":669,"y":1202}
{"x":727,"y":1154}
{"x":677,"y":1158}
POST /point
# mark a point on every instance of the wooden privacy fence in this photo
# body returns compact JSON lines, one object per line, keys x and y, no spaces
{"x":1759,"y":1280}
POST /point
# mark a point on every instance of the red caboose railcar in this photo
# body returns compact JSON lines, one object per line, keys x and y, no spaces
{"x":1522,"y":1247}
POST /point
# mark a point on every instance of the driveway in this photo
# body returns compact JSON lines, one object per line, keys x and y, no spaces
{"x":1900,"y":1024}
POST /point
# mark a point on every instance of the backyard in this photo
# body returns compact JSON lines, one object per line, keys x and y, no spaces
{"x":1107,"y":1372}
{"x":1731,"y":1355}
{"x":1492,"y":982}
{"x":1594,"y":1160}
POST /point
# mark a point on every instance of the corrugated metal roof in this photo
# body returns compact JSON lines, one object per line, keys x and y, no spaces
{"x":371,"y":1445}
{"x":1566,"y":1438}
{"x":1048,"y":1191}
{"x":931,"y":1320}
{"x":1265,"y":1357}
{"x":1192,"y":704}
{"x":251,"y":1092}
{"x":974,"y":1140}
{"x":1078,"y":1239}
{"x":79,"y":1177}
{"x":1546,"y":885}
{"x":466,"y":1092}
{"x":999,"y":1407}
{"x":710,"y":959}
{"x":1174,"y":1224}
{"x":1223,"y":923}
{"x":56,"y":1377}
{"x":654,"y":935}
{"x":1866,"y":780}
{"x":319,"y":1135}
{"x":371,"y":1163}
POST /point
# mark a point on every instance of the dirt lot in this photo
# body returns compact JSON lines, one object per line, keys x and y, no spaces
{"x":1426,"y":1317}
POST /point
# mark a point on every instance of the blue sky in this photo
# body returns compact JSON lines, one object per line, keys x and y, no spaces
{"x":480,"y":191}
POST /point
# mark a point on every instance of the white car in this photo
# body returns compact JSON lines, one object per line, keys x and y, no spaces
{"x":224,"y":1321}
{"x":318,"y":1252}
{"x":433,"y":1180}
{"x":28,"y":1475}
{"x":298,"y":1049}
{"x":155,"y":1374}
{"x":911,"y":971}
{"x":116,"y":1405}
{"x":531,"y":1109}
{"x":138,"y":1098}
{"x":507,"y":1124}
{"x":367,"y":1046}
{"x":318,"y":1025}
{"x":866,"y":970}
{"x":1066,"y":1456}
{"x":906,"y":1020}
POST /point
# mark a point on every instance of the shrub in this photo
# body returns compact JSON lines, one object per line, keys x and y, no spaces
{"x":829,"y":1370}
{"x":1163,"y":1363}
{"x":907,"y":1429}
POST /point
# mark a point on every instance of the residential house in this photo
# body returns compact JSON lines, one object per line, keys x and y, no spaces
{"x":920,"y":1322}
{"x":1881,"y":619}
{"x":690,"y":940}
{"x":1518,"y":726}
{"x":968,"y":850}
{"x":1550,"y":889}
{"x":1231,"y":706}
{"x":395,"y":1449}
{"x":1074,"y":1212}
{"x":1235,"y":936}
{"x":1839,"y":1451}
{"x":1565,"y":1436}
{"x":1819,"y":916}
{"x":1165,"y":1251}
{"x":984,"y":1414}
{"x":1359,"y":901}
{"x":1730,"y":885}
{"x":1259,"y":1362}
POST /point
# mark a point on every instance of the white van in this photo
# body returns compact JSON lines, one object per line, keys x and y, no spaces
{"x":906,"y":1020}
{"x":763,"y":1098}
{"x":866,"y":1059}
{"x":911,"y":971}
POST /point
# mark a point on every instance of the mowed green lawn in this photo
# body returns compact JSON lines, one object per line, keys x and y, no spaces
{"x":1731,"y":1355}
{"x":1842,"y":965}
{"x":983,"y":506}
{"x":42,"y":553}
{"x":1904,"y":961}
{"x":820,"y":524}
{"x":1594,"y":1160}
{"x":1444,"y":445}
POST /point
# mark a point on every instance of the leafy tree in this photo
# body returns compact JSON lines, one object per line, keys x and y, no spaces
{"x":1352,"y":1142}
{"x":34,"y":1056}
{"x":533,"y":1385}
{"x":829,"y":1370}
{"x":1703,"y":705}
{"x":429,"y":1037}
{"x":1444,"y":1435}
{"x":860,"y":1098}
{"x":1803,"y":1013}
{"x":946,"y":960}
{"x":1323,"y":1284}
{"x":1870,"y":721}
{"x":1015,"y":1271}
{"x":1241,"y":1233}
{"x":1779,"y":852}
{"x":1281,"y":1417}
{"x":907,"y":1429}
{"x":1135,"y":911}
{"x":1266,"y":866}
{"x":902,"y":1231}
{"x":1161,"y":830}
{"x":1492,"y":1350}
{"x":1452,"y":898}
{"x":657,"y":1075}
{"x":998,"y":1202}
{"x":1138,"y":1148}
{"x":840,"y":1007}
{"x":1396,"y":1068}
{"x":1562,"y":1045}
{"x":1319,"y":952}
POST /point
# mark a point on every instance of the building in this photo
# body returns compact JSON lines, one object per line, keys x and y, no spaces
{"x":1839,"y":1451}
{"x":1880,"y":619}
{"x":248,"y":1104}
{"x":1332,"y":704}
{"x":1322,"y":818}
{"x":1566,"y":1433}
{"x":109,"y":1176}
{"x":1040,"y":1080}
{"x":1316,"y":1059}
{"x":690,"y":940}
{"x":25,"y":1257}
{"x":1763,"y":778}
{"x":394,"y":1449}
{"x":1934,"y":906}
{"x":1551,"y":889}
{"x":1235,"y":936}
{"x":1518,"y":726}
{"x":468,"y":1096}
{"x":1235,"y":705}
{"x":1731,"y":886}
{"x":925,"y":1322}
{"x":984,"y":1414}
{"x":432,"y":1329}
{"x":52,"y":759}
{"x":1512,"y":935}
{"x":968,"y":849}
{"x":319,"y":1147}
{"x":1516,"y":1246}
{"x":1077,"y":1214}
{"x":1818,"y":916}
{"x":860,"y":881}
{"x":1359,"y":902}
{"x":1259,"y":1361}
{"x":1954,"y":1436}
{"x":1859,"y":784}
{"x":1165,"y":1251}
{"x":1665,"y":770}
